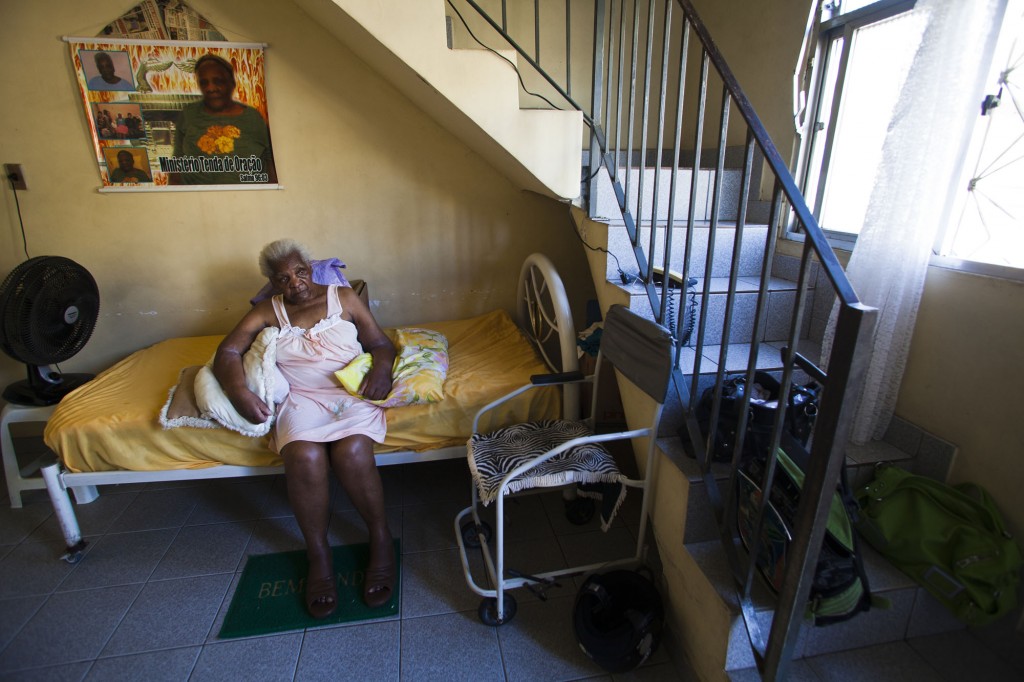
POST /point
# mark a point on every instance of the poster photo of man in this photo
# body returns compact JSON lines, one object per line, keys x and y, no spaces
{"x":198,"y":110}
{"x":127,"y":165}
{"x":107,"y":70}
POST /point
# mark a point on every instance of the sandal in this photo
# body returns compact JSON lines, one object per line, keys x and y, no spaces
{"x":321,"y":597}
{"x":380,"y":584}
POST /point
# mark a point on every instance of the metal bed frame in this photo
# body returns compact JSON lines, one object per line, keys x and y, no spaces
{"x":539,"y":292}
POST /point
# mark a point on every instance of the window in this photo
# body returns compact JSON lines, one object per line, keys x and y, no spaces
{"x":864,"y":51}
{"x":861,"y":52}
{"x":988,"y":222}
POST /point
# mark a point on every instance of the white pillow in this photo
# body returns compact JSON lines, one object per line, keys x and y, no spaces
{"x":261,"y":376}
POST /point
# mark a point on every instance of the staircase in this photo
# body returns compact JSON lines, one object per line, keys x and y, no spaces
{"x":697,"y":212}
{"x":717,"y":643}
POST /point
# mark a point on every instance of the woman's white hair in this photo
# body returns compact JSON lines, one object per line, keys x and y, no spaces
{"x":275,"y":252}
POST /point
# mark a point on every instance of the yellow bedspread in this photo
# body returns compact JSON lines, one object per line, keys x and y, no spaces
{"x":111,"y":422}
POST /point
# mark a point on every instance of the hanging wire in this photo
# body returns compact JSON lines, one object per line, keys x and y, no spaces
{"x":21,"y":221}
{"x":624,"y":277}
{"x":491,"y":49}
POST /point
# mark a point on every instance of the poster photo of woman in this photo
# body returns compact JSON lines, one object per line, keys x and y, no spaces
{"x":198,"y":110}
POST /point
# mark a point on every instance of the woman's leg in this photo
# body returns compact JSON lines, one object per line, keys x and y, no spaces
{"x":307,"y":476}
{"x":356,"y":469}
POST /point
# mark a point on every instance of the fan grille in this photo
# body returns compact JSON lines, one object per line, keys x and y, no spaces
{"x":48,"y":310}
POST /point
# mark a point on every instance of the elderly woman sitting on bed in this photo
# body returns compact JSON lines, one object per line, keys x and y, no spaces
{"x":320,"y":427}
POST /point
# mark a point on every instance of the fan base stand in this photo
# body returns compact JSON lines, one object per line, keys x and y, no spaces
{"x":24,"y":393}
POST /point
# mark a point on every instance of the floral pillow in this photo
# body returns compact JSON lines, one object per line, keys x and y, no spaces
{"x":418,"y":373}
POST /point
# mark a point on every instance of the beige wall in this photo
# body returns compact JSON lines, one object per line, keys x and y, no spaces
{"x":761,"y":41}
{"x":367,"y":177}
{"x":963,"y":379}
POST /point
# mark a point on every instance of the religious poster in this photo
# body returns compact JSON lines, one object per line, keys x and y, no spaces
{"x":175,"y":115}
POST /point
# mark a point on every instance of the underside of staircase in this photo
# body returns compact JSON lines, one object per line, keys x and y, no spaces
{"x":471,"y":93}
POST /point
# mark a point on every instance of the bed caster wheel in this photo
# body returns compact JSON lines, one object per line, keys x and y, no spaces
{"x":580,"y":510}
{"x":471,"y":536}
{"x":488,"y":610}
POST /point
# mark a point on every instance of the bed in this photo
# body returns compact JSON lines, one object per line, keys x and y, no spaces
{"x":108,"y":431}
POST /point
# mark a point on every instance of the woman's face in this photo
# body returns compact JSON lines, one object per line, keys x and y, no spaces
{"x":292,"y":278}
{"x":217,"y":85}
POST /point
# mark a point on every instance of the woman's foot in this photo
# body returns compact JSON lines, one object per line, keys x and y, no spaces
{"x":379,"y":586}
{"x":321,"y":587}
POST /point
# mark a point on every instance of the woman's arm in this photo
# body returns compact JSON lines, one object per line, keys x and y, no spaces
{"x":377,"y":384}
{"x":227,"y":363}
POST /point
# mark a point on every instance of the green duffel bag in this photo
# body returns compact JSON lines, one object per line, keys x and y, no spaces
{"x":950,"y":539}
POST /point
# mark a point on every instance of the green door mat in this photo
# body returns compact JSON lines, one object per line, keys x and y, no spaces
{"x":270,"y":595}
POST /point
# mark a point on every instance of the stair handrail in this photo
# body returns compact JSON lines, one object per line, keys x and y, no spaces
{"x":853,"y":329}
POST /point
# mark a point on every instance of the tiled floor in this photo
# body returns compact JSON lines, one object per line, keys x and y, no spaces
{"x":148,"y":598}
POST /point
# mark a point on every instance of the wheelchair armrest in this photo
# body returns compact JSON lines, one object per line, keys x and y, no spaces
{"x":557,"y":378}
{"x":536,"y":381}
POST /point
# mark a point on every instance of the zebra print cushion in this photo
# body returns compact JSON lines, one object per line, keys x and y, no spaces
{"x":494,"y":455}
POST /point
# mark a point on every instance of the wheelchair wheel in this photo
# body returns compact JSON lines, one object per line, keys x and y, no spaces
{"x":580,"y":510}
{"x":470,"y":536}
{"x":488,"y":610}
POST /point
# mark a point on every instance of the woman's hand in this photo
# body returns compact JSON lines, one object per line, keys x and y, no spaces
{"x":249,"y":405}
{"x":377,"y":383}
{"x":227,"y":362}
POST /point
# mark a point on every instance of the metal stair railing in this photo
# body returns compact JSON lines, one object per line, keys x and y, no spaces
{"x":654,"y":62}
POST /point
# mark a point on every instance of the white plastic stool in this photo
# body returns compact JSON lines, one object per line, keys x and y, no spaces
{"x":18,"y":478}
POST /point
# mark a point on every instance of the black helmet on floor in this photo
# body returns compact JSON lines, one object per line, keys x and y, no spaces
{"x":618,"y":619}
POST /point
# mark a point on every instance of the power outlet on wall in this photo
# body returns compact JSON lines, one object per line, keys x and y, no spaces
{"x":12,"y":171}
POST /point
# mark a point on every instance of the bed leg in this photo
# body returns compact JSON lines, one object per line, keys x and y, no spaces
{"x":84,"y":494}
{"x":65,"y":514}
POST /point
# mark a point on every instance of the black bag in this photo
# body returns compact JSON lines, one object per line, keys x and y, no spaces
{"x":800,"y":414}
{"x":839,"y":589}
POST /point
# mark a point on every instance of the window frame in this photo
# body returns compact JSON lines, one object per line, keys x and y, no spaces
{"x":826,"y":32}
{"x":1010,"y":8}
{"x":830,"y":26}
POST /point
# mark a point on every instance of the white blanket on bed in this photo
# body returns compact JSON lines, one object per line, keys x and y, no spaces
{"x":215,"y":409}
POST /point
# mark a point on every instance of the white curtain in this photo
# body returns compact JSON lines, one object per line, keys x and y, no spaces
{"x":920,"y":162}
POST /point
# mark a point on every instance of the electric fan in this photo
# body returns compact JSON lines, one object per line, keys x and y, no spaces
{"x":48,"y":309}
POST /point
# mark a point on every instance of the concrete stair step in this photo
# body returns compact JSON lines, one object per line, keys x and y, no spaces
{"x":913,"y":612}
{"x":781,"y":299}
{"x":641,"y":199}
{"x":751,"y":249}
{"x":700,"y":525}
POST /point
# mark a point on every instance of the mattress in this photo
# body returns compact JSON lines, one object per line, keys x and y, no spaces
{"x":111,"y":423}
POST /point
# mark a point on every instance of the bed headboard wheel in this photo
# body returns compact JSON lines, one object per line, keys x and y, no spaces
{"x":542,"y":311}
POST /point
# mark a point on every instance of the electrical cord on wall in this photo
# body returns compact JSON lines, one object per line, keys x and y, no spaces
{"x":24,"y":240}
{"x":488,"y":47}
{"x":624,"y":277}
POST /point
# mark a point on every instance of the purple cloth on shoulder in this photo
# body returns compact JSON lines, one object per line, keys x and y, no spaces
{"x":324,"y":272}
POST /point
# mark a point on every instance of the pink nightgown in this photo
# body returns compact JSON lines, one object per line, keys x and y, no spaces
{"x":318,"y":409}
